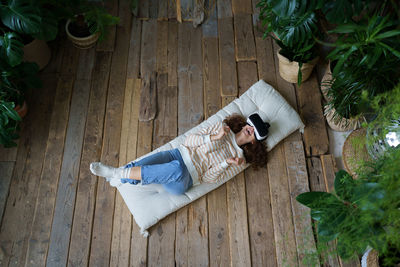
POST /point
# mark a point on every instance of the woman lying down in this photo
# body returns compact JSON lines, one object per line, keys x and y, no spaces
{"x":204,"y":157}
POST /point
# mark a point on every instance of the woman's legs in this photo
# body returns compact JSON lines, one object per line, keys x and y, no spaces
{"x":166,"y":168}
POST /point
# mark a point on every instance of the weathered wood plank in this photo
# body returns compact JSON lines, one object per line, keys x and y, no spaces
{"x":298,"y":183}
{"x":166,"y":122}
{"x":9,"y":154}
{"x":285,"y":242}
{"x":161,"y":242}
{"x":153,"y":9}
{"x":138,"y":242}
{"x":121,"y":236}
{"x":162,"y":48}
{"x":148,"y":97}
{"x":317,"y":183}
{"x":242,"y":7}
{"x":172,"y":53}
{"x":133,"y":68}
{"x":262,"y":242}
{"x":172,"y":9}
{"x":218,"y":230}
{"x":190,"y":77}
{"x":41,"y":226}
{"x":105,"y":197}
{"x":265,"y":59}
{"x":6,"y":170}
{"x":57,"y":48}
{"x":245,"y":47}
{"x":22,"y":196}
{"x":329,"y":169}
{"x":225,"y":100}
{"x":197,"y":233}
{"x":143,"y":9}
{"x":210,"y":26}
{"x":315,"y":134}
{"x":85,"y":195}
{"x":247,"y":75}
{"x":66,"y":193}
{"x":148,"y":47}
{"x":228,"y":80}
{"x":109,"y":42}
{"x":212,"y":97}
{"x":286,"y":89}
{"x":256,"y":14}
{"x":162,"y":10}
{"x":187,"y":9}
{"x":224,"y":9}
{"x":198,"y":12}
{"x":237,"y":219}
{"x":181,"y":239}
{"x":70,"y":61}
{"x":178,"y":11}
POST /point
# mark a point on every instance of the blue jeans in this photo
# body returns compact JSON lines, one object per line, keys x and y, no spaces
{"x":166,"y":168}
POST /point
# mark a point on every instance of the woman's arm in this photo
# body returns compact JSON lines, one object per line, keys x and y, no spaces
{"x":217,"y":173}
{"x":206,"y":135}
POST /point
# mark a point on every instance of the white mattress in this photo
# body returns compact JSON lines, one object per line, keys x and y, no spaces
{"x":150,"y":203}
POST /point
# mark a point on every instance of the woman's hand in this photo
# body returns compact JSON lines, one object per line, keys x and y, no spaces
{"x":222,"y":132}
{"x":236,"y":161}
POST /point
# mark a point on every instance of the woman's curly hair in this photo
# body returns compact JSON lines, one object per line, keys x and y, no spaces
{"x":256,"y":153}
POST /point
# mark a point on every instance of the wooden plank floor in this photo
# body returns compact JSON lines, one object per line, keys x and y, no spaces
{"x":55,"y":213}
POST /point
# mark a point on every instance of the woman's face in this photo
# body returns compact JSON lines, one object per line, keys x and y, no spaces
{"x":247,"y":134}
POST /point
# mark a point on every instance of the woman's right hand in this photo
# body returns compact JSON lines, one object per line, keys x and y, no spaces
{"x":222,"y":132}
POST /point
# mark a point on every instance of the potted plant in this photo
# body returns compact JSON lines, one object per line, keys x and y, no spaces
{"x":32,"y":24}
{"x":361,"y":213}
{"x":15,"y":81}
{"x":294,"y":27}
{"x":87,"y":23}
{"x":366,"y":58}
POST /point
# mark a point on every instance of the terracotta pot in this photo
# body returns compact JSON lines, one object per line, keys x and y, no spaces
{"x":22,"y":110}
{"x":82,"y":42}
{"x":37,"y":51}
{"x":343,"y":124}
{"x":289,"y":69}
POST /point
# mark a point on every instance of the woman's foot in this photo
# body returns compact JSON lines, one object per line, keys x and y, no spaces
{"x":99,"y":169}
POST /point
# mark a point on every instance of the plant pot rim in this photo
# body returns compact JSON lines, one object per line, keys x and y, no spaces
{"x":286,"y":60}
{"x":78,"y":38}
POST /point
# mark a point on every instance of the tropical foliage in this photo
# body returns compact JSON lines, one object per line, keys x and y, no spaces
{"x":363,"y":212}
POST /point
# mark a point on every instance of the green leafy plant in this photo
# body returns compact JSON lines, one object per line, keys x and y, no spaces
{"x":294,"y":27}
{"x":90,"y":15}
{"x":14,"y":82}
{"x":343,"y":11}
{"x":367,"y":58}
{"x":363,"y":212}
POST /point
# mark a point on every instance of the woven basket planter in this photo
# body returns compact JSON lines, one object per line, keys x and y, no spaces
{"x":370,"y":259}
{"x":290,"y":69}
{"x":82,"y":42}
{"x":343,"y":124}
{"x":324,"y":82}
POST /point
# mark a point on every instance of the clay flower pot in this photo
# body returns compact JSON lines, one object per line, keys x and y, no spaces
{"x":289,"y":69}
{"x":81,"y":42}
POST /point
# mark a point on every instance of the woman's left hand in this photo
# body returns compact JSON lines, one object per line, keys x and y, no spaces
{"x":236,"y":161}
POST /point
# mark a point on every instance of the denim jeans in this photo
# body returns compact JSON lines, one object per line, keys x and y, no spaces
{"x":166,"y":168}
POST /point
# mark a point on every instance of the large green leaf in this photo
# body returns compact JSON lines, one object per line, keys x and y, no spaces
{"x":9,"y":110}
{"x":316,"y":200}
{"x":11,"y":47}
{"x":21,"y":16}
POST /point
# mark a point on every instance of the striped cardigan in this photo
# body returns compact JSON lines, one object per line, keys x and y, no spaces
{"x":206,"y":159}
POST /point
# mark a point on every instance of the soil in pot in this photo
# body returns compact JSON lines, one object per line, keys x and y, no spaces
{"x":78,"y":29}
